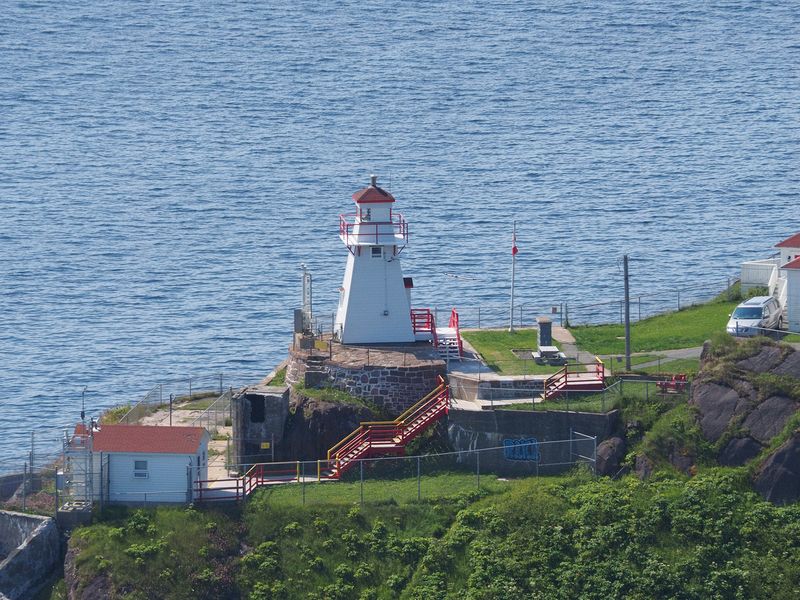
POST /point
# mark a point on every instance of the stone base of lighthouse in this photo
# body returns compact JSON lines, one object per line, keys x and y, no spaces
{"x":393,"y":377}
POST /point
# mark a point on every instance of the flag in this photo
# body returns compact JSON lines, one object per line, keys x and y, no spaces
{"x":514,"y":248}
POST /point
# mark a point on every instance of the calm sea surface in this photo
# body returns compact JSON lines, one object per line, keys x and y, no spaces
{"x":165,"y":169}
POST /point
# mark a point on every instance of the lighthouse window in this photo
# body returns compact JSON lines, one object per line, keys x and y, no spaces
{"x":377,"y":252}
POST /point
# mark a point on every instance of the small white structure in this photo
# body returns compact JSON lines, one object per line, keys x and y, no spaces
{"x":770,"y":273}
{"x":792,"y":270}
{"x":374,"y":301}
{"x":789,"y":249}
{"x":137,"y":463}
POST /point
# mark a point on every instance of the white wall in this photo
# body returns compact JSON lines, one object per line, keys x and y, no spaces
{"x":372,"y":287}
{"x":789,"y":254}
{"x":793,"y":299}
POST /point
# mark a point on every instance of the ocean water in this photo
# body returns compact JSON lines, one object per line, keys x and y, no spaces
{"x":165,"y":169}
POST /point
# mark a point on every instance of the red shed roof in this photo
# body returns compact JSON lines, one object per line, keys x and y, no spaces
{"x":790,"y":242}
{"x":372,"y":194}
{"x":792,"y":264}
{"x":148,"y":438}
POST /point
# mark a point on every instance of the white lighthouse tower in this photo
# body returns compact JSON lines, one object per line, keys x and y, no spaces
{"x":374,"y":302}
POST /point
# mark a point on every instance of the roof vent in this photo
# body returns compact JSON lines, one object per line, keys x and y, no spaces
{"x":373,"y":180}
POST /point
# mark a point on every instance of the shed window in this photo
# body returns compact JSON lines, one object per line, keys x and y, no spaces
{"x":140,"y":469}
{"x":377,"y":252}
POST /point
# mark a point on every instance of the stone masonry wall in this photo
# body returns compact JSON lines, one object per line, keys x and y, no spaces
{"x":391,"y":388}
{"x":394,"y":389}
{"x":32,"y":547}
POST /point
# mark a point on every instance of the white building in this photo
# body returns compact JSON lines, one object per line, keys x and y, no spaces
{"x":778,"y":275}
{"x":792,"y":271}
{"x":374,"y":301}
{"x":137,"y":463}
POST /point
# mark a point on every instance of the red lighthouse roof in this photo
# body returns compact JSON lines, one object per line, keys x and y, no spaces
{"x":372,"y":194}
{"x":790,"y":242}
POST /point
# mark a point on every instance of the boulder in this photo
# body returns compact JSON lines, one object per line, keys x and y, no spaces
{"x":718,"y":404}
{"x":767,"y":359}
{"x":610,"y":454}
{"x":769,"y":418}
{"x":778,"y":479}
{"x":790,"y":366}
{"x":738,"y":451}
{"x":643,"y":467}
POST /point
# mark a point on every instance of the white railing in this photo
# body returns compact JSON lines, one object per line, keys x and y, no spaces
{"x":756,"y":273}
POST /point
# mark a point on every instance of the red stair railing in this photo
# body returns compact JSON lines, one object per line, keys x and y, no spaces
{"x":372,"y":438}
{"x":454,"y":325}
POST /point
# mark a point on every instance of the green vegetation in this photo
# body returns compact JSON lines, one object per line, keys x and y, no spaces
{"x":556,"y":537}
{"x":686,"y":366}
{"x":792,"y":338}
{"x":197,"y":401}
{"x":685,"y":328}
{"x":495,"y":347}
{"x":280,"y":377}
{"x":115,"y":414}
{"x":335,"y":396}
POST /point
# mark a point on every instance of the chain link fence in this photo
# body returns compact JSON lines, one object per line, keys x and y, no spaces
{"x":406,"y":478}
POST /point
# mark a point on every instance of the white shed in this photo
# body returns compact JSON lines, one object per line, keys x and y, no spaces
{"x":143,"y":463}
{"x":789,"y":248}
{"x":792,"y":270}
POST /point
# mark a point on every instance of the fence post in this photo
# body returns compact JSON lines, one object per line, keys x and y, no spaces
{"x":679,"y":299}
{"x":303,"y":484}
{"x":478,"y":466}
{"x":361,"y":465}
{"x":24,"y":483}
{"x":160,"y":394}
{"x":419,"y":485}
{"x":190,"y":388}
{"x":220,"y":384}
{"x":479,"y":317}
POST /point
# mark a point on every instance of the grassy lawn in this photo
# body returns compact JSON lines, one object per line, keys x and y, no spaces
{"x":792,"y":337}
{"x":685,"y":328}
{"x":593,"y":403}
{"x":380,"y":490}
{"x":495,"y":348}
{"x":687,"y":366}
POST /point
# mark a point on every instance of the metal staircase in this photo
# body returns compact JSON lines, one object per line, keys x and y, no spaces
{"x":387,"y":438}
{"x":446,"y":340}
{"x":571,"y":378}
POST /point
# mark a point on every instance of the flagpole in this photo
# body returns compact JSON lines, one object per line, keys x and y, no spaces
{"x":513,"y":264}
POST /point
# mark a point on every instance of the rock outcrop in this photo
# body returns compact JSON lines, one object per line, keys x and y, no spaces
{"x":778,"y":479}
{"x":610,"y":455}
{"x":738,"y":451}
{"x":313,"y":426}
{"x":718,"y":404}
{"x":769,"y":418}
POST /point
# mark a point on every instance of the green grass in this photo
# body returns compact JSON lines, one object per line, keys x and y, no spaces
{"x":198,"y":401}
{"x":335,"y":396}
{"x":687,"y":366}
{"x":380,"y":490}
{"x":792,"y":338}
{"x":685,"y":328}
{"x":495,"y":347}
{"x":280,"y":377}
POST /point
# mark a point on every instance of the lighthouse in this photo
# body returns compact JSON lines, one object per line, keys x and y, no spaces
{"x":374,"y":300}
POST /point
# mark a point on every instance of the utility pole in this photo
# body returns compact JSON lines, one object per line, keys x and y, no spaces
{"x":513,"y":265}
{"x":627,"y":315}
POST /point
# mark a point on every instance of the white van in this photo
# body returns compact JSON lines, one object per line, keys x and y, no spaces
{"x":755,"y":315}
